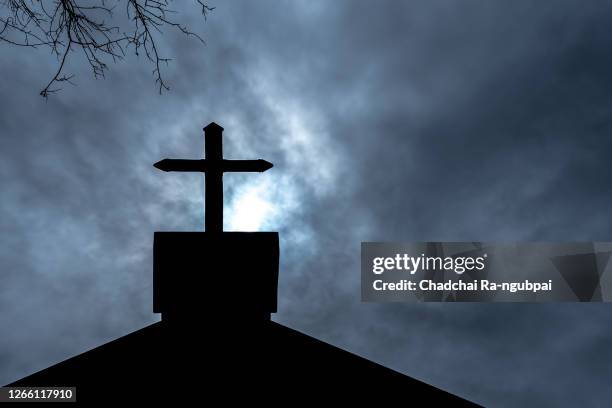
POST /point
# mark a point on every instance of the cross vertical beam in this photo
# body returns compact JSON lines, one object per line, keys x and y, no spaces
{"x":213,"y":199}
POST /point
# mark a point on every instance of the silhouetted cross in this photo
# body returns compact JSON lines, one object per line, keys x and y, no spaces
{"x":214,"y":165}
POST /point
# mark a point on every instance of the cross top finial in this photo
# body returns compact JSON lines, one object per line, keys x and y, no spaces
{"x":213,"y":167}
{"x":213,"y":125}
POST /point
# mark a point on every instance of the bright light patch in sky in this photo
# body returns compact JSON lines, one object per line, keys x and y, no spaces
{"x":265,"y":204}
{"x":250,"y":210}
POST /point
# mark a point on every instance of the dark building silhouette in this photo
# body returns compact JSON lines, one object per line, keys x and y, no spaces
{"x":216,"y":342}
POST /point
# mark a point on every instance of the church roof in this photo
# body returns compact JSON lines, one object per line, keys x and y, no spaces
{"x":255,"y":361}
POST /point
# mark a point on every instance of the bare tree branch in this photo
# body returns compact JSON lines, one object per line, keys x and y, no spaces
{"x":65,"y":26}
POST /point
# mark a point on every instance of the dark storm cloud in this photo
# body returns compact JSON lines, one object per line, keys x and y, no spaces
{"x":405,"y":121}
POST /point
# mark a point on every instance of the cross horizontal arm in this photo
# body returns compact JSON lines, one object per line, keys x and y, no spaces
{"x":204,"y":165}
{"x":181,"y":165}
{"x":259,"y":165}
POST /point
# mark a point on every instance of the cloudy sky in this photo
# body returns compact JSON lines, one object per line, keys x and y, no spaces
{"x":394,"y":121}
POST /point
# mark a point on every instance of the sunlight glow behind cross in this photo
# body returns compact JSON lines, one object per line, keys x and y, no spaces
{"x":249,"y":210}
{"x":268,"y":203}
